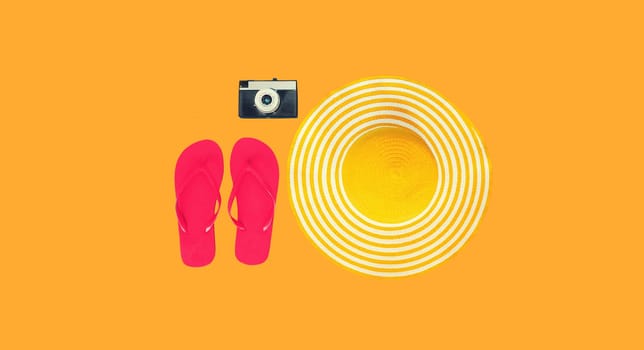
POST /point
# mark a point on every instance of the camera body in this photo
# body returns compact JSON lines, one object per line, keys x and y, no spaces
{"x":268,"y":98}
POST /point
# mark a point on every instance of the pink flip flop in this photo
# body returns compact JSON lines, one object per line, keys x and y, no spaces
{"x":197,"y":178}
{"x":255,"y":174}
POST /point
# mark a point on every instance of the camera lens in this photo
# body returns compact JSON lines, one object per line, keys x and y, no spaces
{"x":267,"y":100}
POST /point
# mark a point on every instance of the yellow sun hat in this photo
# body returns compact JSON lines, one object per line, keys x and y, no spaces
{"x":387,"y":178}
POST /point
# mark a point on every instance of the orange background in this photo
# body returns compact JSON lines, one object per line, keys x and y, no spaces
{"x":97,"y":100}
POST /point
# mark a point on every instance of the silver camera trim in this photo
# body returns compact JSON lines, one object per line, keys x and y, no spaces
{"x":270,"y":84}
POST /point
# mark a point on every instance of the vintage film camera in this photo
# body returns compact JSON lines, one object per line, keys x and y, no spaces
{"x":268,"y":98}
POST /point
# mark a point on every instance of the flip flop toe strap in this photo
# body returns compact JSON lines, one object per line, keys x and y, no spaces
{"x":233,"y":195}
{"x":183,"y":225}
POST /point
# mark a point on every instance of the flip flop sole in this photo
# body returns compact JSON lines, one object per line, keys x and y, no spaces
{"x":199,"y":169}
{"x":254,"y":205}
